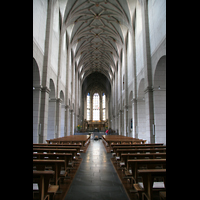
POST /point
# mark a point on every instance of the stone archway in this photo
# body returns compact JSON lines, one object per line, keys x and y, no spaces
{"x":36,"y":102}
{"x":160,"y":101}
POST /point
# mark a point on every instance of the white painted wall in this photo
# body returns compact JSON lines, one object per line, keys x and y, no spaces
{"x":139,"y":39}
{"x":55,"y":39}
{"x":130,"y":58}
{"x":157,"y":22}
{"x":39,"y":22}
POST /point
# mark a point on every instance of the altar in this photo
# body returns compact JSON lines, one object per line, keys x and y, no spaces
{"x":90,"y":125}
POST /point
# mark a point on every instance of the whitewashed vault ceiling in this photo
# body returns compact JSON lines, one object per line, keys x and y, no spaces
{"x":96,"y":31}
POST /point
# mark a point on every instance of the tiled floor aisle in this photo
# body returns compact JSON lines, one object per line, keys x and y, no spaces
{"x":96,"y":179}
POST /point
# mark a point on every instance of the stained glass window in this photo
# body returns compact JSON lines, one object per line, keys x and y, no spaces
{"x":96,"y":106}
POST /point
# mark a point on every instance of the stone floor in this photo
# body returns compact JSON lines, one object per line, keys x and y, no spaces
{"x":96,"y":178}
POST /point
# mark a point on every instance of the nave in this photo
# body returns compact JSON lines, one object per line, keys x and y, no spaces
{"x":135,"y":169}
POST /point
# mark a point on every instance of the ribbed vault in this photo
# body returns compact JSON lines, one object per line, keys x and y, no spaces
{"x":96,"y":31}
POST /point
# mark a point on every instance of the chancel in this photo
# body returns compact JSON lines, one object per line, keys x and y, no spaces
{"x":98,"y":65}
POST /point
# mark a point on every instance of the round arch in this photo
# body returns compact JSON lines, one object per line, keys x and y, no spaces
{"x":36,"y":101}
{"x":160,"y":100}
{"x":141,"y":128}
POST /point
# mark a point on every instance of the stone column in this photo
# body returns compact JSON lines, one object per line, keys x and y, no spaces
{"x":134,"y":117}
{"x":58,"y":117}
{"x":125,"y":121}
{"x":148,"y":73}
{"x":36,"y":113}
{"x":67,"y":132}
{"x":72,"y":122}
{"x":44,"y":108}
{"x":149,"y":114}
{"x":52,"y":119}
{"x":100,"y":106}
{"x":91,"y":107}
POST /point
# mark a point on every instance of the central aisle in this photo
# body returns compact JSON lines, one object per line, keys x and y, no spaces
{"x":96,"y":178}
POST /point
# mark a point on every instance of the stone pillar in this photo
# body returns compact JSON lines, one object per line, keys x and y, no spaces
{"x":148,"y":74}
{"x":125,"y":121}
{"x":45,"y":75}
{"x":44,"y":114}
{"x":149,"y":114}
{"x":120,"y":122}
{"x":72,"y":122}
{"x":58,"y":117}
{"x":36,"y":113}
{"x":100,"y":106}
{"x":134,"y":117}
{"x":91,"y":107}
{"x":67,"y":132}
{"x":52,"y":119}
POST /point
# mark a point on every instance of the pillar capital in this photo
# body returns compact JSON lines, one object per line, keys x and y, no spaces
{"x":148,"y":89}
{"x":45,"y":89}
{"x":37,"y":88}
{"x":66,"y":106}
{"x":59,"y":100}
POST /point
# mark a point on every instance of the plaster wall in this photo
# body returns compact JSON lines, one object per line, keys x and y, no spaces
{"x":39,"y":22}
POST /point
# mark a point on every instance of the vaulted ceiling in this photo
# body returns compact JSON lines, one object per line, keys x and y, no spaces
{"x":96,"y":32}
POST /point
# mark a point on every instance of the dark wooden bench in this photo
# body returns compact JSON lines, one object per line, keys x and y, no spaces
{"x":45,"y":190}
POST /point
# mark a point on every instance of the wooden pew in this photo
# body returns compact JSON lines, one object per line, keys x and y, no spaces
{"x":58,"y":147}
{"x":55,"y":144}
{"x":149,"y":150}
{"x":134,"y":145}
{"x":148,"y":176}
{"x":83,"y":139}
{"x":138,"y":147}
{"x":42,"y":178}
{"x":40,"y":150}
{"x":40,"y":164}
{"x":53,"y":156}
{"x":119,"y":139}
{"x":126,"y":156}
{"x":134,"y":164}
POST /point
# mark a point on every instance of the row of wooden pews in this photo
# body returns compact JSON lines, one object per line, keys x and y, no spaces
{"x":53,"y":163}
{"x":142,"y":165}
{"x":110,"y":140}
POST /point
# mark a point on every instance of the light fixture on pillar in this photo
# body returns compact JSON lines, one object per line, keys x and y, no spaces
{"x":33,"y":88}
{"x":159,"y":87}
{"x":143,"y":98}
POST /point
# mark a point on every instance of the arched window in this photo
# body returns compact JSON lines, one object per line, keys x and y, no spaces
{"x":88,"y":106}
{"x":96,"y":106}
{"x":104,"y":106}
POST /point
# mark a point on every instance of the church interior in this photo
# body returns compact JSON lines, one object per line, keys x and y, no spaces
{"x":99,"y":65}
